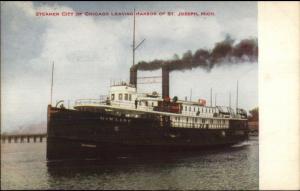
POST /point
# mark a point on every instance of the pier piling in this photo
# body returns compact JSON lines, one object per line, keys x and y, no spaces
{"x":22,"y":138}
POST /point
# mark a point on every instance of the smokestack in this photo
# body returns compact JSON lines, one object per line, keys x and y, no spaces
{"x":165,"y":81}
{"x":133,"y":76}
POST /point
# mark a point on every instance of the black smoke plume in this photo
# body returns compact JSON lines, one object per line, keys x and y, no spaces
{"x":224,"y":52}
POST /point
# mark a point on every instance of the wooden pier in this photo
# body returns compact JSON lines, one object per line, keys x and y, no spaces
{"x":23,"y":138}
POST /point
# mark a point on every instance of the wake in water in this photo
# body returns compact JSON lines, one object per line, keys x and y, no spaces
{"x":243,"y":144}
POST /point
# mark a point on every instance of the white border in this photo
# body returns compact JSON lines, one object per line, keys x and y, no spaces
{"x":279,"y":103}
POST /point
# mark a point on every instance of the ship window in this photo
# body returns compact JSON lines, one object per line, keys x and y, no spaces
{"x":187,"y":119}
{"x":112,"y":96}
{"x":120,"y":96}
{"x":194,"y":109}
{"x":203,"y":120}
{"x":152,"y":104}
{"x":146,"y":103}
{"x":185,"y":108}
{"x":211,"y":121}
{"x":129,"y":97}
{"x":126,"y":96}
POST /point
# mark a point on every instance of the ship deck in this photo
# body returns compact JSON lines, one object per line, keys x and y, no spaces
{"x":141,"y":111}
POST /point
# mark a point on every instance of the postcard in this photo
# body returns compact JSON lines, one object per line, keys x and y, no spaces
{"x":145,"y":95}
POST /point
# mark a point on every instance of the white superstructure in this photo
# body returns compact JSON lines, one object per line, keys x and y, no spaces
{"x":187,"y":114}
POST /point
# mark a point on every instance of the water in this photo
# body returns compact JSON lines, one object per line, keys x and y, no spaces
{"x":24,"y":166}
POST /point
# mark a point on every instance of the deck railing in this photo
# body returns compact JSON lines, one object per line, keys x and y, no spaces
{"x":101,"y":101}
{"x":89,"y":102}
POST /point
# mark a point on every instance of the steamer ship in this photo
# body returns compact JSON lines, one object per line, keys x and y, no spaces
{"x":129,"y":122}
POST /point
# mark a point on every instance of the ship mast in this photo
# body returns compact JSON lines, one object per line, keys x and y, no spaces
{"x":229,"y":99}
{"x":237,"y":95}
{"x":133,"y":43}
{"x":52,"y":84}
{"x":133,"y":40}
{"x":216,"y":99}
{"x":211,"y":97}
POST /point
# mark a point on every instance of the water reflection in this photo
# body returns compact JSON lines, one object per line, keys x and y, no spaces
{"x":164,"y":170}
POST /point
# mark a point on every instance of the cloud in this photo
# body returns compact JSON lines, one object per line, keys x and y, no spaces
{"x":86,"y":53}
{"x":181,"y":34}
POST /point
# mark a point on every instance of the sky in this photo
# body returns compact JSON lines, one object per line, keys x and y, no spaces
{"x":91,"y":51}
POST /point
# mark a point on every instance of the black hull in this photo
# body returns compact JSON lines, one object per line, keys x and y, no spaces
{"x":60,"y":148}
{"x":77,"y":134}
